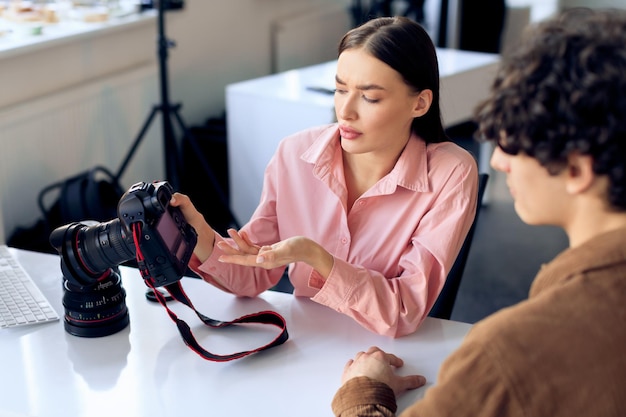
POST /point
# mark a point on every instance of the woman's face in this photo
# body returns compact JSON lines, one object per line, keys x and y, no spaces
{"x":374,"y":106}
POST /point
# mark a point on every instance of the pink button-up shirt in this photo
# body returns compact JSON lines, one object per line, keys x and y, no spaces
{"x":392,"y":251}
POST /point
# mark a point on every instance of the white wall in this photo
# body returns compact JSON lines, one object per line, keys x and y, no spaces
{"x":217,"y":43}
{"x":220,"y":42}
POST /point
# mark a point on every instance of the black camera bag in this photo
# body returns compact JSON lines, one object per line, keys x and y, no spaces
{"x":90,"y":195}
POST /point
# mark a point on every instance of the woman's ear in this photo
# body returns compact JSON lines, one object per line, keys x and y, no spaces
{"x":579,"y":176}
{"x":422,"y":103}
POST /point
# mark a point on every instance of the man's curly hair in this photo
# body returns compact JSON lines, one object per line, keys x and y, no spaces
{"x":563,"y":90}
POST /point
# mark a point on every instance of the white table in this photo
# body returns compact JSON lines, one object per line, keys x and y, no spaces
{"x":146,"y":370}
{"x":262,"y":111}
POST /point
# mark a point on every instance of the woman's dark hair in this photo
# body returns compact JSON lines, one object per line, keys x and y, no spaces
{"x":405,"y":46}
{"x":563,"y":90}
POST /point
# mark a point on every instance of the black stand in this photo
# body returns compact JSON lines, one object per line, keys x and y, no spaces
{"x":168,"y":110}
{"x":442,"y":35}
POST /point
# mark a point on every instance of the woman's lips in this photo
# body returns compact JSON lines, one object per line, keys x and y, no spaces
{"x":348,"y":133}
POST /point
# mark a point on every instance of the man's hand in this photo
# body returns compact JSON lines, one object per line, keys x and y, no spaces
{"x":379,"y":365}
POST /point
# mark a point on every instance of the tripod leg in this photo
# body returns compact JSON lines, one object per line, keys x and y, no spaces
{"x":205,"y":165}
{"x":136,"y":143}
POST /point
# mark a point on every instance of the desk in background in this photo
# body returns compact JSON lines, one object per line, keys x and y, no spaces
{"x":146,"y":369}
{"x":262,"y":111}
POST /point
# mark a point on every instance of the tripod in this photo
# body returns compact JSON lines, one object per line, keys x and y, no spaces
{"x":169,"y":111}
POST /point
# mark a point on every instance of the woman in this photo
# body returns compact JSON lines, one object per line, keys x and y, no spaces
{"x":368,"y":213}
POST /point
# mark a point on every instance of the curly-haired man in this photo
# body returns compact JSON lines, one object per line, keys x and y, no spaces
{"x":557,"y":112}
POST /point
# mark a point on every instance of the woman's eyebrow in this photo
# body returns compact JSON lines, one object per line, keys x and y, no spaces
{"x":363,"y":87}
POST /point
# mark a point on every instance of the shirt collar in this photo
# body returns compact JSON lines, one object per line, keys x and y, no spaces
{"x":599,"y":252}
{"x":410,"y":172}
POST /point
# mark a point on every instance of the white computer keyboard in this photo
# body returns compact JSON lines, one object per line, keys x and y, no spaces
{"x":21,"y":300}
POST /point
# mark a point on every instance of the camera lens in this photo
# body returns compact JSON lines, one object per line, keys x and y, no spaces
{"x":94,"y":300}
{"x":103,"y":245}
{"x":95,"y":310}
{"x":89,"y":251}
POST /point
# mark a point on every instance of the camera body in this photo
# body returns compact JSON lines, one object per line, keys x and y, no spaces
{"x":167,"y":240}
{"x":90,"y":252}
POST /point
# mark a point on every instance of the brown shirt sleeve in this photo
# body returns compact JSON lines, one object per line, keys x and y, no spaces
{"x":472,"y":382}
{"x":364,"y":397}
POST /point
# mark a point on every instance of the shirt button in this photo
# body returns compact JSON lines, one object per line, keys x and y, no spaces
{"x":344,"y":240}
{"x":361,"y":203}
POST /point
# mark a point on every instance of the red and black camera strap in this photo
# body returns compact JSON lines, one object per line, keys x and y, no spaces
{"x":176,"y":290}
{"x":262,"y":317}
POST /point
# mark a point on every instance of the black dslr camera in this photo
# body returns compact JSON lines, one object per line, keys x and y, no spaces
{"x":147,"y":229}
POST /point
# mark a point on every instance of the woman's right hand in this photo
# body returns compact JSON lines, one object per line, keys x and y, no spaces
{"x":206,"y":234}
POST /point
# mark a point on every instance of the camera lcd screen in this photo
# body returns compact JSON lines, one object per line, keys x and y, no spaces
{"x":182,"y":250}
{"x":168,"y":229}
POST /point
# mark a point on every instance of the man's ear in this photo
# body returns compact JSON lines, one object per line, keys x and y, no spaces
{"x":579,"y":173}
{"x":423,"y":102}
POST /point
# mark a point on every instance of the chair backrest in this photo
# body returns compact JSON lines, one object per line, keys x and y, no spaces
{"x":445,"y":302}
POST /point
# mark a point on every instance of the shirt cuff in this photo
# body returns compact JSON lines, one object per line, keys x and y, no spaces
{"x":363,"y":391}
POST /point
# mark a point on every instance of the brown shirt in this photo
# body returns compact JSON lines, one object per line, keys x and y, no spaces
{"x":562,"y":352}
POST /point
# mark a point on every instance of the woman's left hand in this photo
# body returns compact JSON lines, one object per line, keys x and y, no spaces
{"x":245,"y":252}
{"x":293,"y":249}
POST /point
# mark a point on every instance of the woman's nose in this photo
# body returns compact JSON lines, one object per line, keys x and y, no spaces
{"x":345,"y":108}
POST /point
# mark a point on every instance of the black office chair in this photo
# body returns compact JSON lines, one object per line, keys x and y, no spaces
{"x":442,"y":308}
